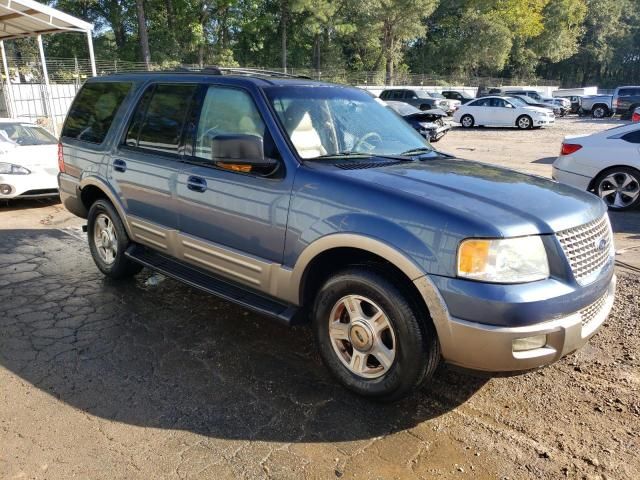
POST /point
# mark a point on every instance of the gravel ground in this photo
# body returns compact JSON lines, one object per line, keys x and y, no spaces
{"x":152,"y":379}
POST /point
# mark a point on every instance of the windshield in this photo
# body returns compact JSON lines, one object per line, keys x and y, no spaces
{"x":436,"y":95}
{"x":25,"y":134}
{"x":422,"y":94}
{"x":335,"y":121}
{"x":526,"y":100}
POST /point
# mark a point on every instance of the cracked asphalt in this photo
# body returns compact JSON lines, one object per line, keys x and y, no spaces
{"x":152,"y":379}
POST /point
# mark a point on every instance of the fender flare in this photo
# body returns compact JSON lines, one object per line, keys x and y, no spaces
{"x":110,"y":194}
{"x":428,"y":291}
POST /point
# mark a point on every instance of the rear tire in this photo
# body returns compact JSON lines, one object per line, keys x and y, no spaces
{"x":599,"y":111}
{"x":467,"y":121}
{"x":371,"y":337}
{"x":108,"y":241}
{"x":623,"y":183}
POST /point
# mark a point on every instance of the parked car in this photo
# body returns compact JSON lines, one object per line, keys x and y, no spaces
{"x":574,"y":103}
{"x":457,"y":95}
{"x":428,"y":123}
{"x":307,"y":200}
{"x":606,"y":163}
{"x":446,"y":104}
{"x":636,"y":115}
{"x":598,"y":106}
{"x":502,"y":112}
{"x":420,"y":99}
{"x":625,"y":100}
{"x":539,"y":100}
{"x":28,"y":160}
{"x":563,"y":104}
{"x":557,"y":111}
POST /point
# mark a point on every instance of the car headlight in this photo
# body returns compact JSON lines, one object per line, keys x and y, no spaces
{"x":11,"y":169}
{"x":508,"y":260}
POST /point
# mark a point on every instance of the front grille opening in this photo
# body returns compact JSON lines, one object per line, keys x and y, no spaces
{"x":590,"y":312}
{"x":588,"y":248}
{"x":42,"y":191}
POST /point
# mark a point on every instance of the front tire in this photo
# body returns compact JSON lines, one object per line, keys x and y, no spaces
{"x":108,"y":241}
{"x":619,"y":188}
{"x":467,"y":121}
{"x":371,"y":337}
{"x":524,"y":122}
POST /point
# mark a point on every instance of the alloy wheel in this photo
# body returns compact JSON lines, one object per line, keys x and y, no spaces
{"x":105,"y":239}
{"x":362,"y":336}
{"x":619,"y":189}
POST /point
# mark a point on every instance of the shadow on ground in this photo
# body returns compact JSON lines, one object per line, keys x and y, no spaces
{"x":28,"y":203}
{"x":545,"y":160}
{"x":171,"y":357}
{"x":626,"y":222}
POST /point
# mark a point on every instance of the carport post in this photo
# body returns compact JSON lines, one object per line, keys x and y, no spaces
{"x":45,"y":73}
{"x":91,"y":55}
{"x":11,"y":106}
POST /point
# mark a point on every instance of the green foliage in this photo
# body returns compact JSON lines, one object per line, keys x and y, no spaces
{"x":579,"y":41}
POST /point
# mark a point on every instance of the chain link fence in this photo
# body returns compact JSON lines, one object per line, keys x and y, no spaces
{"x":25,"y":96}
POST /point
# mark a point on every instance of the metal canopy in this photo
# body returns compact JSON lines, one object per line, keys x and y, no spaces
{"x":26,"y":18}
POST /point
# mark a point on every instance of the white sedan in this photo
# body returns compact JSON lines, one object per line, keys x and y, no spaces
{"x":502,"y":112}
{"x":28,"y":161}
{"x":606,"y":163}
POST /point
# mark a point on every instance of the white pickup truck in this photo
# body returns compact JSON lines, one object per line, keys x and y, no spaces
{"x":598,"y":106}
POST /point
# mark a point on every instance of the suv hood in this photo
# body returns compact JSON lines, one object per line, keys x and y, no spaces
{"x":505,"y":202}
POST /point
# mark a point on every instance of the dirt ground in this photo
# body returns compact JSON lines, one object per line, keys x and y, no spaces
{"x":152,"y":379}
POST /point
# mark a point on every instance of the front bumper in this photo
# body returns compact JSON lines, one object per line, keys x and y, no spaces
{"x":490,"y":348}
{"x":543,"y":121}
{"x":34,"y":185}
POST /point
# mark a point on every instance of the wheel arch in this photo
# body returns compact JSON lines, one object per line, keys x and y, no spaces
{"x":592,"y":183}
{"x":318,"y":260}
{"x":93,"y":188}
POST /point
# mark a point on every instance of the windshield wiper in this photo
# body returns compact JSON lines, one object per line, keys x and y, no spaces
{"x":418,"y":151}
{"x":348,"y":154}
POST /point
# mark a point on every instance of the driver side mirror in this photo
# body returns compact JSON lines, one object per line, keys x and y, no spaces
{"x":241,"y":153}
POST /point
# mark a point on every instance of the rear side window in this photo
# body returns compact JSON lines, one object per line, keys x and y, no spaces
{"x":480,"y":103}
{"x":632,"y":137}
{"x":159,"y":118}
{"x":93,"y":110}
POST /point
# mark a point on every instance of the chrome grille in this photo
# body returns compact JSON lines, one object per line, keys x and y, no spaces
{"x":590,"y":312}
{"x":588,"y":248}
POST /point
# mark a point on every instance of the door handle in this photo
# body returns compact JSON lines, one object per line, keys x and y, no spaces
{"x":197,"y":184}
{"x":119,"y":165}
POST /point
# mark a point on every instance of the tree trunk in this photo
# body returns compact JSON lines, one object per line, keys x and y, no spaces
{"x":284,"y":19}
{"x":170,"y":15}
{"x":316,"y":52}
{"x":143,"y":35}
{"x":387,"y":47}
{"x":389,"y":69}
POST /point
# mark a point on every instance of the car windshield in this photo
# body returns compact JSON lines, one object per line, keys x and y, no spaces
{"x":327,"y":121}
{"x":423,"y":94}
{"x":524,"y":99}
{"x":24,"y":134}
{"x":436,"y":95}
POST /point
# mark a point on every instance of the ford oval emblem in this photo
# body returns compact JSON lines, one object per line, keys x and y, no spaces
{"x":601,"y":244}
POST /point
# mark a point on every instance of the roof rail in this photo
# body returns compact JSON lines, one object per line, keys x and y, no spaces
{"x":215,"y":70}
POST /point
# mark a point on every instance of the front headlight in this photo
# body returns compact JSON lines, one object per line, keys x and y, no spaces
{"x":11,"y":169}
{"x":508,"y":260}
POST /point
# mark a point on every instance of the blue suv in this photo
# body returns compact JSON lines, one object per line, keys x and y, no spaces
{"x":306,"y":200}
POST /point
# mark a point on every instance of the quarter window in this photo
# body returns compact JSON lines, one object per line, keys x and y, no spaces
{"x":93,"y":110}
{"x":159,"y":118}
{"x":632,"y":137}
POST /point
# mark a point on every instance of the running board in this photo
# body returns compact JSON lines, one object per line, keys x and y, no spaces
{"x":197,"y":278}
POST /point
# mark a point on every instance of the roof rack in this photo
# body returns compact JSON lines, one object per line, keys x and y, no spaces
{"x":215,"y":70}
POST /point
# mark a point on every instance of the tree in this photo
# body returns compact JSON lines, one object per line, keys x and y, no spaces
{"x":142,"y":34}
